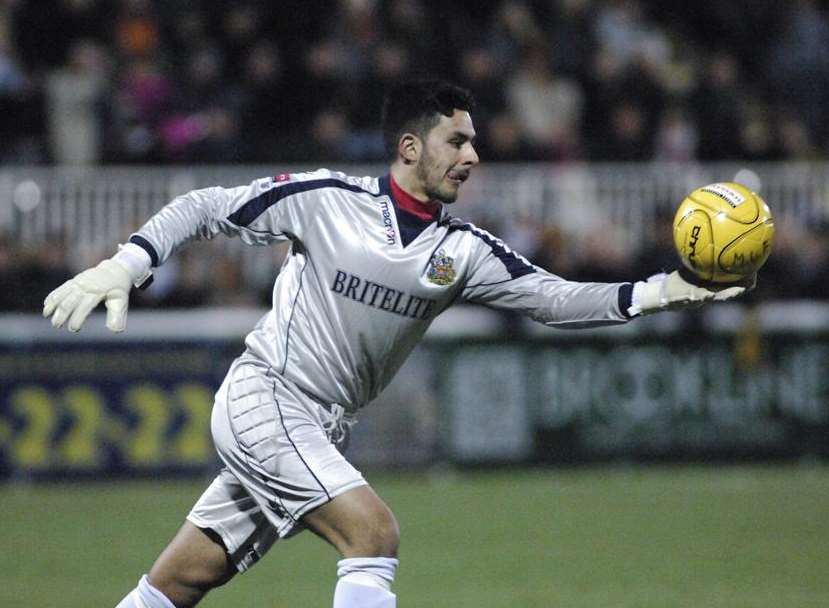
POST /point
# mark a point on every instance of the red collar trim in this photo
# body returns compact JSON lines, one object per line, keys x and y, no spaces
{"x":405,"y":201}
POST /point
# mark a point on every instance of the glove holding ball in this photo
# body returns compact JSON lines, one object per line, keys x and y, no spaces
{"x":672,"y":292}
{"x":723,"y":234}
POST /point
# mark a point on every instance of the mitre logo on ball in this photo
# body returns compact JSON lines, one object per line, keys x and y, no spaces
{"x":723,"y":232}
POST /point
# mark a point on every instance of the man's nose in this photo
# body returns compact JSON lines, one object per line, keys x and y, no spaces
{"x":471,"y":156}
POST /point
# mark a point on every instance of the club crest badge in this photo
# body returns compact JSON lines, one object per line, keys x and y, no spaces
{"x":441,"y":270}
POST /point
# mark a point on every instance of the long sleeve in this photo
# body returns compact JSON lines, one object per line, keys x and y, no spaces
{"x":503,"y":279}
{"x":262,"y":212}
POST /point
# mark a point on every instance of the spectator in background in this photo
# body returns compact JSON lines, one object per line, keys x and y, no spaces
{"x":227,"y":284}
{"x":46,"y":29}
{"x":620,"y":28}
{"x":572,"y":37}
{"x":514,"y":28}
{"x":799,"y":266}
{"x":75,"y":101}
{"x":602,"y":89}
{"x":628,"y":138}
{"x":240,"y":28}
{"x":137,"y":30}
{"x":12,"y":78}
{"x":263,"y":118}
{"x":813,"y":261}
{"x":556,"y":251}
{"x":390,"y":63}
{"x":623,"y":30}
{"x":547,"y":107}
{"x":203,"y":124}
{"x":143,"y":99}
{"x":717,"y":103}
{"x":408,"y":24}
{"x":341,"y":62}
{"x":624,"y":99}
{"x":502,"y":140}
{"x":756,"y":136}
{"x":478,"y":69}
{"x":37,"y":267}
{"x":191,"y":280}
{"x":21,"y":115}
{"x":324,"y":63}
{"x":796,"y":139}
{"x":187,"y":30}
{"x":9,"y":275}
{"x":143,"y":92}
{"x":329,"y":137}
{"x":657,"y":253}
{"x":676,"y":137}
{"x":800,"y":64}
{"x":604,"y":257}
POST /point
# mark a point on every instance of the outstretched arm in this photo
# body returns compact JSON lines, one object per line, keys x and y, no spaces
{"x":500,"y":278}
{"x":265,"y":211}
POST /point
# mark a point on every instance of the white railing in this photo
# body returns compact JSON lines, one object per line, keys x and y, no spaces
{"x":94,"y":208}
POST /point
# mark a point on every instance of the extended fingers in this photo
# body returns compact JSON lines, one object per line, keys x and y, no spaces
{"x":56,"y":297}
{"x":728,"y":293}
{"x":116,"y":305}
{"x":66,"y":306}
{"x":82,"y":310}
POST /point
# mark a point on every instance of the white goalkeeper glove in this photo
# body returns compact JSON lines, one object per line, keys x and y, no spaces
{"x":672,"y":292}
{"x":111,"y":281}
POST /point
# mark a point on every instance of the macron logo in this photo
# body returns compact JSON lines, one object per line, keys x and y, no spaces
{"x":388,"y":224}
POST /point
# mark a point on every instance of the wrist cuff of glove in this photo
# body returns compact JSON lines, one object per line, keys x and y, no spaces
{"x":646,"y":296}
{"x":635,"y":308}
{"x":137,"y":263}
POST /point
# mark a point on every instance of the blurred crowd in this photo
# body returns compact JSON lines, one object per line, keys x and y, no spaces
{"x":147,"y":81}
{"x":90,"y":82}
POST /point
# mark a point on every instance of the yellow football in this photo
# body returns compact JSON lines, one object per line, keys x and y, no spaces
{"x":723,"y":232}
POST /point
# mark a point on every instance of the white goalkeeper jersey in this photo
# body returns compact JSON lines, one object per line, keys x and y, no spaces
{"x":364,"y":277}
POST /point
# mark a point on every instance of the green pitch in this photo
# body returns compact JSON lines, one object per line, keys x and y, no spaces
{"x":641,"y":537}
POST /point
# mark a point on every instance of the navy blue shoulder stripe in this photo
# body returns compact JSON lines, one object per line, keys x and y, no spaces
{"x":247,"y":213}
{"x":514,"y":264}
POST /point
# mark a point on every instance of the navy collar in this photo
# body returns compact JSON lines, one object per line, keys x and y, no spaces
{"x":410,"y":224}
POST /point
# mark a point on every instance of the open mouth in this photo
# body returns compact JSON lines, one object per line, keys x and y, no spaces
{"x":458,"y":177}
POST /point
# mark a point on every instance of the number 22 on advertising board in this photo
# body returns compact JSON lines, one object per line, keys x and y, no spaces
{"x":67,"y":428}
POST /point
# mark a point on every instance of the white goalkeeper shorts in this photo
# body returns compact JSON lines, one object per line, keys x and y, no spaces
{"x":281,"y":461}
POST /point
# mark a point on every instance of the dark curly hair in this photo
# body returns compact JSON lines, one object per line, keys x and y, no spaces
{"x":415,"y":107}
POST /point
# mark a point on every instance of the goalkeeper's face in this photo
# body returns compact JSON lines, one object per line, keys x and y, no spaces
{"x":447,"y":157}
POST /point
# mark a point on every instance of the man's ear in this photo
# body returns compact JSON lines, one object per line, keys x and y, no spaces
{"x":408,"y":148}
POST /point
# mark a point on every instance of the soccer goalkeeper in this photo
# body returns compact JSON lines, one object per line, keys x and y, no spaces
{"x":372,"y":262}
